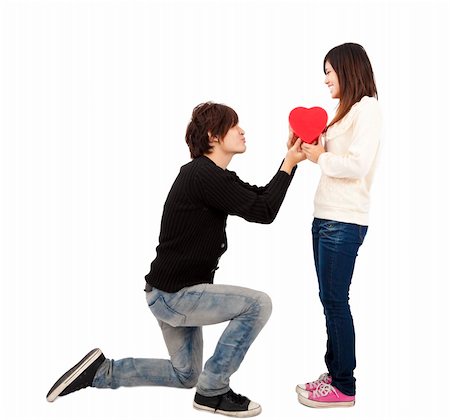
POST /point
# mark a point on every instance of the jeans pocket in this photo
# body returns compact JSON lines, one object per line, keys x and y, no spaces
{"x":329,"y":229}
{"x":165,"y":313}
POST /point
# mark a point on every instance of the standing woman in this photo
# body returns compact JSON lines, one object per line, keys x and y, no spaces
{"x":341,"y":213}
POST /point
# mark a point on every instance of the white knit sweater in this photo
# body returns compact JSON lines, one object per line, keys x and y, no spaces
{"x":348,"y":165}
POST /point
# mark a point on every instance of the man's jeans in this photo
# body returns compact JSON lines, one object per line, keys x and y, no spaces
{"x":181,"y":316}
{"x":336,"y":247}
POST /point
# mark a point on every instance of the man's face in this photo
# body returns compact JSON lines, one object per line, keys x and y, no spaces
{"x":234,"y":141}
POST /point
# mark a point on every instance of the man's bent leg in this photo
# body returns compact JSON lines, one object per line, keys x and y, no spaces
{"x":185,"y":346}
{"x":248,"y":311}
{"x":180,"y":372}
{"x":179,"y":314}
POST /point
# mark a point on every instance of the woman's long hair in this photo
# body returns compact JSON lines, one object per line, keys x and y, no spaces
{"x":355,"y":75}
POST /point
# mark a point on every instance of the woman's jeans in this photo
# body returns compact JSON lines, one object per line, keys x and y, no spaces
{"x":336,"y":247}
{"x":181,"y":316}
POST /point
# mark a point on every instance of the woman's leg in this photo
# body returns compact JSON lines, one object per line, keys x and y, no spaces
{"x":337,"y":249}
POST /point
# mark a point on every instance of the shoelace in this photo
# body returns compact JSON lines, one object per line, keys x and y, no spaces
{"x":321,"y":379}
{"x":323,"y":390}
{"x":236,"y":398}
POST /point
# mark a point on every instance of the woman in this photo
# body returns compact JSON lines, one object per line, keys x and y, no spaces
{"x":341,"y":213}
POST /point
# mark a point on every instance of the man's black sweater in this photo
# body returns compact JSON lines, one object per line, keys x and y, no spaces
{"x":193,"y":237}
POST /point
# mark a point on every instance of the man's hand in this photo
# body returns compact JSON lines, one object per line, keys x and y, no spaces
{"x":293,"y":156}
{"x":292,"y":138}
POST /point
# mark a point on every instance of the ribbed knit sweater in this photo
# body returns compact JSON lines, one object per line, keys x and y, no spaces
{"x":348,"y":166}
{"x":193,"y":237}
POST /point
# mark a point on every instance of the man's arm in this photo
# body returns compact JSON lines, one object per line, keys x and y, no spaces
{"x":223,"y":190}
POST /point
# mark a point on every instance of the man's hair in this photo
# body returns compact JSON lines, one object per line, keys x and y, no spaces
{"x":208,"y":119}
{"x":355,"y":75}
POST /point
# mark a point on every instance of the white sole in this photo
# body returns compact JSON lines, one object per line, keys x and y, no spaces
{"x":299,"y":389}
{"x":317,"y":404}
{"x":239,"y":414}
{"x":73,"y":373}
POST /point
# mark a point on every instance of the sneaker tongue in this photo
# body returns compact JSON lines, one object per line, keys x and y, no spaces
{"x":237,"y":398}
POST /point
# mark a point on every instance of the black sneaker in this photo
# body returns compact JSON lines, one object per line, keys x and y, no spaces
{"x":78,"y":377}
{"x":228,"y":404}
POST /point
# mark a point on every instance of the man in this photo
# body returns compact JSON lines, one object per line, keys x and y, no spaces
{"x":179,"y":287}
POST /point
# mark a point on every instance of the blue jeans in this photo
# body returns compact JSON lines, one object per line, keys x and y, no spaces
{"x":336,"y":247}
{"x":181,"y":316}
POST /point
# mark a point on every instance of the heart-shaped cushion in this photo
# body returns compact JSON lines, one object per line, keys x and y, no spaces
{"x":308,"y":123}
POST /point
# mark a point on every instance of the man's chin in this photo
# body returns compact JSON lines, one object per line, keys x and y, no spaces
{"x":239,"y":152}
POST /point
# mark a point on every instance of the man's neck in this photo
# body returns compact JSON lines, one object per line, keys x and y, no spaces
{"x":220,"y":159}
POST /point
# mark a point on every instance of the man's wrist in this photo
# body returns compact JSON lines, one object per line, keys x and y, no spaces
{"x":287,"y":166}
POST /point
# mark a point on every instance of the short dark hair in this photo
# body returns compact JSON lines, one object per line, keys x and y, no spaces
{"x":212,"y":118}
{"x":355,"y":75}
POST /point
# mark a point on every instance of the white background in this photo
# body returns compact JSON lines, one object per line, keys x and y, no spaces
{"x":95,"y":98}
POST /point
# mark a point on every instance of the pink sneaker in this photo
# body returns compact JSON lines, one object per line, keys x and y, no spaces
{"x":325,"y":395}
{"x":311,"y":386}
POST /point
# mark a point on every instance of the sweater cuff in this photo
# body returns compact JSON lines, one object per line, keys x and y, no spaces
{"x":292,"y":172}
{"x":322,"y":159}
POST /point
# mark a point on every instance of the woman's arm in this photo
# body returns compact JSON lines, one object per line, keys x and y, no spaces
{"x":357,"y":161}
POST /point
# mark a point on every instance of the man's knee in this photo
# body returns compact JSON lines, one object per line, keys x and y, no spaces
{"x":190,"y":380}
{"x":265,"y":305}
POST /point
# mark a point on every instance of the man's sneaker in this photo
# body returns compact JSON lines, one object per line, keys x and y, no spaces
{"x":325,"y":395}
{"x":311,"y":386}
{"x":78,"y":377}
{"x":228,"y":404}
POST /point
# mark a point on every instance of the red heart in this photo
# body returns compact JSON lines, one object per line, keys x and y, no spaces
{"x":308,"y":123}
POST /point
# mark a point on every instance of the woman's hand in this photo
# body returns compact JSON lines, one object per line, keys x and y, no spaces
{"x":313,"y":151}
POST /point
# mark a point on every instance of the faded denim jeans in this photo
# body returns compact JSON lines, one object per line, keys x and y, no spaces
{"x":336,"y":246}
{"x":181,"y":316}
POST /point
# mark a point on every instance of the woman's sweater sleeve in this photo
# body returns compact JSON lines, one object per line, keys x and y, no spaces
{"x":224,"y":191}
{"x":357,"y":162}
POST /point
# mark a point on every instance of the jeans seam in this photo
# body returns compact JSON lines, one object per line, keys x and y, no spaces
{"x":242,"y":338}
{"x":338,"y":343}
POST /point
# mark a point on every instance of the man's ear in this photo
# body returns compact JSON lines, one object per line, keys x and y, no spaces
{"x":212,"y":139}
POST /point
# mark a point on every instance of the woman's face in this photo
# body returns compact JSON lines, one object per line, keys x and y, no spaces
{"x":332,"y":81}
